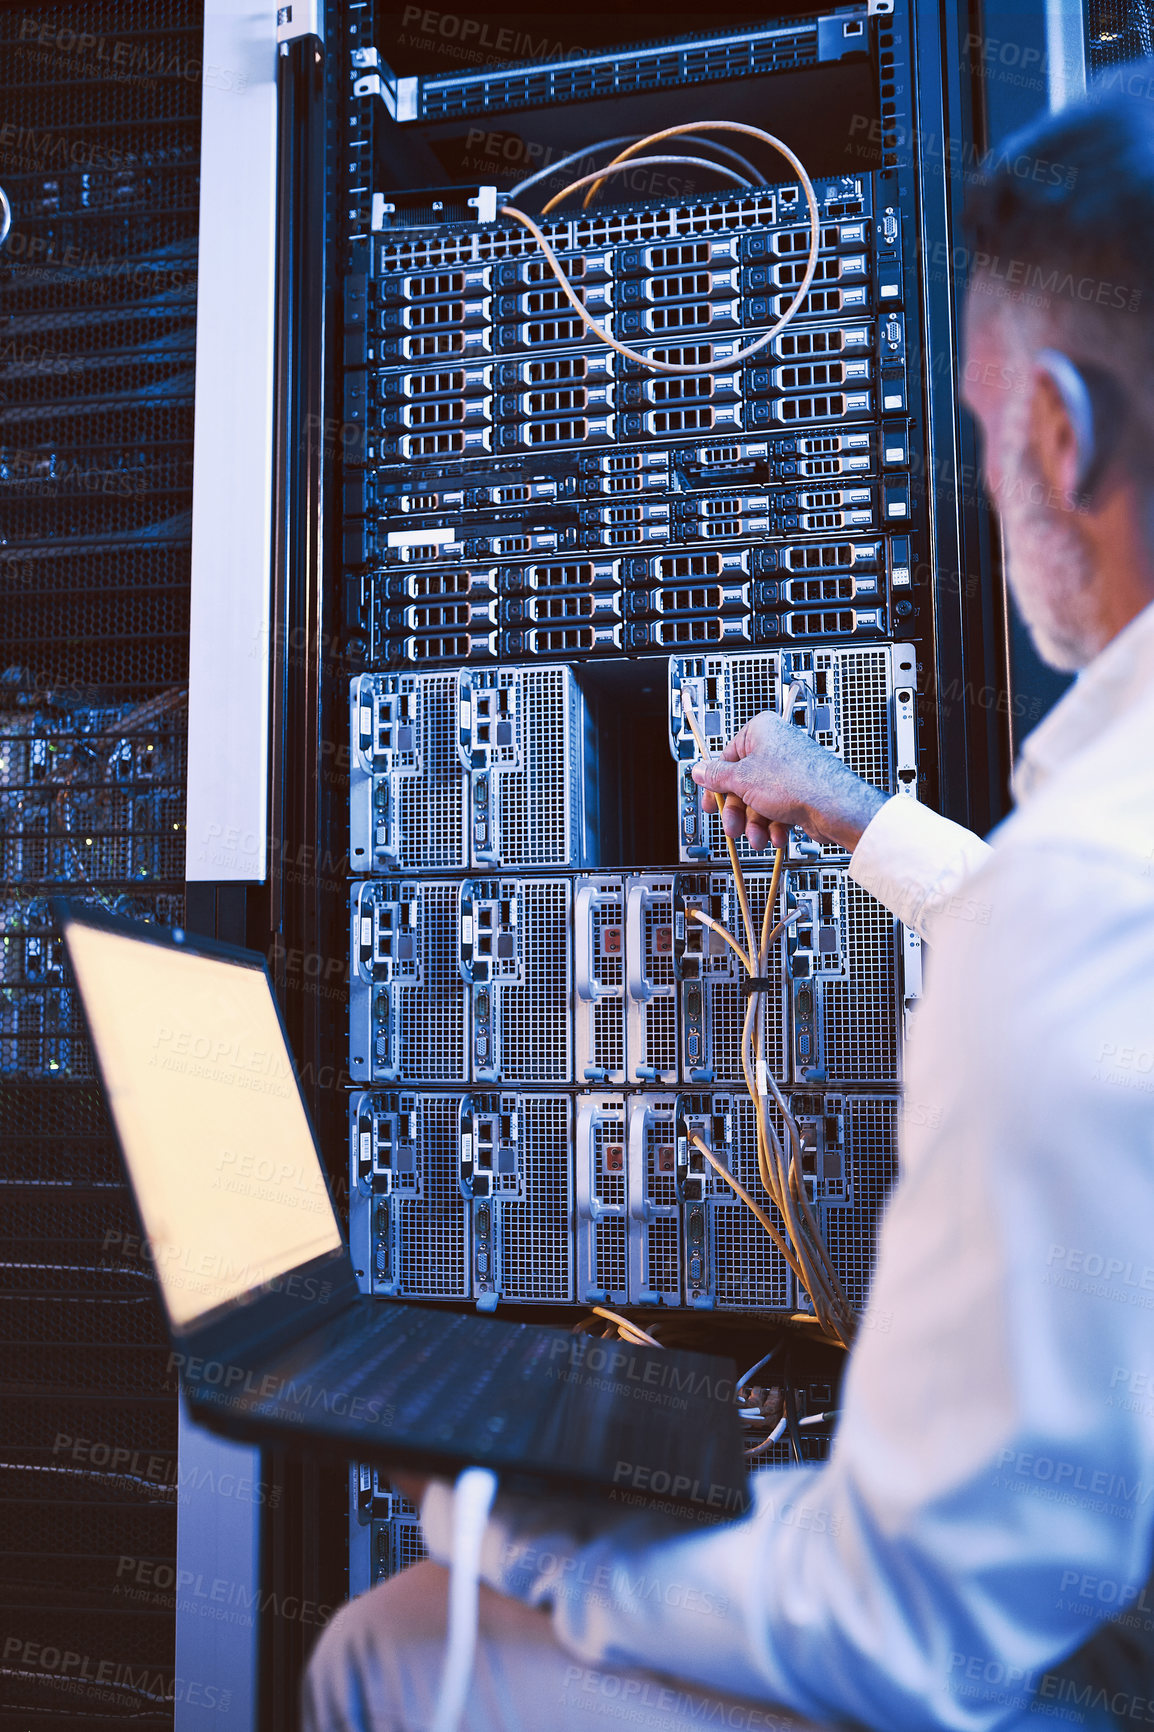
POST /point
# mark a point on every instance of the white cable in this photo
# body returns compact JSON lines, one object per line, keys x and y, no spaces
{"x":742,"y":162}
{"x":774,"y":1437}
{"x":473,"y":1497}
{"x":625,"y":161}
{"x":743,"y":1382}
{"x":574,"y":156}
{"x":646,"y":161}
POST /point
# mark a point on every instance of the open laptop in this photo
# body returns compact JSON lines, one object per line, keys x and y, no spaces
{"x":271,"y":1336}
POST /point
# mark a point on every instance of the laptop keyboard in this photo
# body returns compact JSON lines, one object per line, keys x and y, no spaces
{"x":426,"y":1377}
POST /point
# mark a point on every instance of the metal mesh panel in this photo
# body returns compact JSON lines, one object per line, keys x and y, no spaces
{"x":599,"y":980}
{"x":432,"y":1229}
{"x":656,"y":1214}
{"x":431,"y":809}
{"x":663,"y":1240}
{"x":653,"y":1016}
{"x":608,"y":1037}
{"x":536,"y":1232}
{"x":861,"y":686}
{"x":430,"y":1017}
{"x":534,"y":1012}
{"x":412,"y":1022}
{"x":537,"y":804}
{"x":127,"y":618}
{"x":30,"y":1427}
{"x":417,"y":793}
{"x":749,"y":1272}
{"x":1117,"y":31}
{"x":871,"y":1157}
{"x":860,"y":1015}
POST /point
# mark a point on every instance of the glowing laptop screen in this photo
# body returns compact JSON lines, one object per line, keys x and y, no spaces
{"x":201,"y":1087}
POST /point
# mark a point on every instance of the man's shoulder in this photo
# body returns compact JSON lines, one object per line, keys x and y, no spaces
{"x":1103,"y":799}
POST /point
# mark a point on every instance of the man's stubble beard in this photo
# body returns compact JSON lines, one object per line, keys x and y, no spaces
{"x":1049,"y":568}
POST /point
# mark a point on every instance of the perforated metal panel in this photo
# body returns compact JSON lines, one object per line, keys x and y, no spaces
{"x":748,"y":1271}
{"x":408,"y":1006}
{"x":405,"y":1169}
{"x":523,"y":740}
{"x":846,"y":701}
{"x":599,"y":953}
{"x":408,"y":791}
{"x":523,"y":1244}
{"x":871,"y":1162}
{"x":516,"y":950}
{"x":99,"y":279}
{"x":846,"y":1004}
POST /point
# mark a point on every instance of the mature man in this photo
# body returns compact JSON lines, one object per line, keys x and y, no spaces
{"x":990,"y":1496}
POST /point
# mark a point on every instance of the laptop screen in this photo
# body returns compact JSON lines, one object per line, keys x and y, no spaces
{"x":200,"y":1084}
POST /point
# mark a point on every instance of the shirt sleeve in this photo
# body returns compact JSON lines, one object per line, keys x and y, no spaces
{"x":990,"y":1493}
{"x":916,"y":862}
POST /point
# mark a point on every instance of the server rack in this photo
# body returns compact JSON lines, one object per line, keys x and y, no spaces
{"x":99,"y":275}
{"x":520,"y":503}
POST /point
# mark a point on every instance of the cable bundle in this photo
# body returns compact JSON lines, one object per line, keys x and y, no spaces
{"x":779,"y":1167}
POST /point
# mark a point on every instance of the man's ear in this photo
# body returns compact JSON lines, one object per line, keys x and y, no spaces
{"x":1064,"y":434}
{"x":1079,"y":412}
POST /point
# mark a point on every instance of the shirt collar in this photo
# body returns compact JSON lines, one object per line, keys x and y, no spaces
{"x":1119,"y":677}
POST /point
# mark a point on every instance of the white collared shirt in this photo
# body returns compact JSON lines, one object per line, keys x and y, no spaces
{"x":990,"y":1493}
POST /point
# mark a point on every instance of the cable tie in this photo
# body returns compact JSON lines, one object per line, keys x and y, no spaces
{"x":761,"y":1076}
{"x":757,"y":983}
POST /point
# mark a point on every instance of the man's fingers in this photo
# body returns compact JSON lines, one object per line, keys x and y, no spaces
{"x":779,"y":835}
{"x":733,"y":816}
{"x":756,"y":832}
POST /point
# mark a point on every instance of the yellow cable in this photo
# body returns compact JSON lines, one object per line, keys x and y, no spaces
{"x":641,"y":1335}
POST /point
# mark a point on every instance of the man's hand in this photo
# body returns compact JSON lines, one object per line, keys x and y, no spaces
{"x":411,"y":1485}
{"x":773,"y":776}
